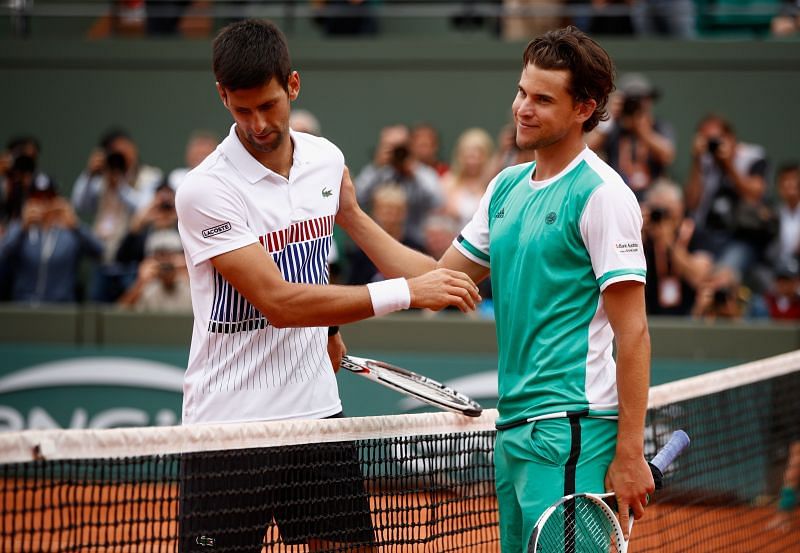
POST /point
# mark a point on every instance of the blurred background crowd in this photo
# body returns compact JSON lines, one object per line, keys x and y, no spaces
{"x":722,"y":241}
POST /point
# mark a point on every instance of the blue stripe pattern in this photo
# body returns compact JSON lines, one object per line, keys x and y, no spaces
{"x":303,"y":262}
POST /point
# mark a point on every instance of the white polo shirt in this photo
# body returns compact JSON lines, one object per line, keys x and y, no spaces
{"x":241,"y":368}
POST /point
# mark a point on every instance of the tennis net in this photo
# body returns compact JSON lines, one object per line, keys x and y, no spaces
{"x":409,"y":483}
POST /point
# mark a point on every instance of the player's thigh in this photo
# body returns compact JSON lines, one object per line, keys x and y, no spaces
{"x":326,"y":500}
{"x":223,"y":502}
{"x":531,"y":475}
{"x":598,"y":444}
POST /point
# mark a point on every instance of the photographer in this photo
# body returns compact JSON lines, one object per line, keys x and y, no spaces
{"x":18,"y":171}
{"x":160,"y":214}
{"x":675,"y":270}
{"x":725,"y":196}
{"x":41,"y":252}
{"x":162,"y":284}
{"x":393,"y":162}
{"x":108,"y":192}
{"x":634,"y":142}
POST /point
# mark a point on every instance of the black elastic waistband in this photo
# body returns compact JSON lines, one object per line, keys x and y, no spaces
{"x":562,"y":415}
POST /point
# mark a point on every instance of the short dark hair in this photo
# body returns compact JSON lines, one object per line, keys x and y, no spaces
{"x":112,"y":135}
{"x":590,"y":66}
{"x":788,"y":167}
{"x":250,"y":53}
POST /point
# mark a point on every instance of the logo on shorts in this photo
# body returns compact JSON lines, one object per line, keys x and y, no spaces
{"x":327,"y":192}
{"x":500,"y":214}
{"x":551,"y":218}
{"x":219,"y":229}
{"x":204,"y":541}
{"x":627,"y":247}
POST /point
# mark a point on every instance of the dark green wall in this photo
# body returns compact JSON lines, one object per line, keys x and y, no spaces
{"x":67,"y":92}
{"x":672,"y":338}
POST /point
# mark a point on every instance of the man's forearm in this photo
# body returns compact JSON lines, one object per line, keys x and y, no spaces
{"x":392,"y":258}
{"x":633,"y":382}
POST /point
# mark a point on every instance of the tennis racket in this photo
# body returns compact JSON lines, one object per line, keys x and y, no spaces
{"x":415,"y":385}
{"x":586,"y":523}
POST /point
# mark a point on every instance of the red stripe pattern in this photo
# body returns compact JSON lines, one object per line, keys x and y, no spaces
{"x":299,"y":232}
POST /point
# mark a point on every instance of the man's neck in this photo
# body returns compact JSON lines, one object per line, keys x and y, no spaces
{"x":553,"y":159}
{"x":278,"y":161}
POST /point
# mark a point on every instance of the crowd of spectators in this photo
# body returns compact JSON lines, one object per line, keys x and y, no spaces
{"x":512,"y":19}
{"x":723,"y":244}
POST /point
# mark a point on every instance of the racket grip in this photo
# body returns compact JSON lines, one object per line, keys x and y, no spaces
{"x":676,"y":444}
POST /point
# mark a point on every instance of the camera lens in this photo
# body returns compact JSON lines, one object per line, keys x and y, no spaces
{"x":713,"y":145}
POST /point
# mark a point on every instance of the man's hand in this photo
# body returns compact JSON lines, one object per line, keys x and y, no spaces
{"x":96,"y":162}
{"x":32,"y":214}
{"x":443,"y":287}
{"x":336,"y":350}
{"x":629,"y":477}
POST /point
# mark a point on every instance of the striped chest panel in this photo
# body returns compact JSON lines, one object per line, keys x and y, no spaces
{"x":300,"y":252}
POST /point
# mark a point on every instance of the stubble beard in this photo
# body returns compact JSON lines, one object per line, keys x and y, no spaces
{"x":265,"y":148}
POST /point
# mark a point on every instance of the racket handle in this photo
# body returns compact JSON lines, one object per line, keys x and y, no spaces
{"x":676,"y":444}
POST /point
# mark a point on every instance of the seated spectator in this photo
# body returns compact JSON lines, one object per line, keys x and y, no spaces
{"x":162,"y":284}
{"x":393,"y":163}
{"x":470,"y":173}
{"x":527,"y":19}
{"x":674,"y":269}
{"x":635,"y":143}
{"x":672,"y":18}
{"x":788,"y":180}
{"x":787,"y":22}
{"x":302,"y":120}
{"x":18,"y":171}
{"x":346,"y":17}
{"x":783,"y":300}
{"x":159,"y":215}
{"x":725,"y":195}
{"x":721,"y":297}
{"x":606,"y":17}
{"x":201,"y":144}
{"x":390,"y":211}
{"x":424,"y":145}
{"x":41,"y":253}
{"x":111,"y":189}
{"x":140,"y":179}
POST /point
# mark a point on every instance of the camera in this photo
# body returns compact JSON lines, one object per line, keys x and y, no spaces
{"x":23,"y":164}
{"x":713,"y":145}
{"x":400,"y":155}
{"x":722,"y":297}
{"x":166,"y":268}
{"x":115,"y":161}
{"x":657,"y":214}
{"x":631,"y":105}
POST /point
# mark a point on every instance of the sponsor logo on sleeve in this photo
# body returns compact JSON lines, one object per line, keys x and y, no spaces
{"x":219,"y":229}
{"x":627,"y":247}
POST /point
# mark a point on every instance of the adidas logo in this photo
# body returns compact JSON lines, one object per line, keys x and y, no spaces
{"x":500,"y":214}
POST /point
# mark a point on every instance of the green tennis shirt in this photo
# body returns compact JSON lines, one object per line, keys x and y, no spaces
{"x":552,"y":247}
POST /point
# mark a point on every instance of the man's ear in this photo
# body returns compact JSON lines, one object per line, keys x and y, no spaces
{"x":223,"y":95}
{"x":585,"y":109}
{"x":293,"y":85}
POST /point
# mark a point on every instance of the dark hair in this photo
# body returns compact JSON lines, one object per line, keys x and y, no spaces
{"x":788,"y":167}
{"x":251,"y":53}
{"x":726,"y":125}
{"x":111,"y":135}
{"x":591,"y":69}
{"x":18,"y":143}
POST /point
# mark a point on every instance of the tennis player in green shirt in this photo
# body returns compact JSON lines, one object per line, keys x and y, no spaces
{"x":561,"y":237}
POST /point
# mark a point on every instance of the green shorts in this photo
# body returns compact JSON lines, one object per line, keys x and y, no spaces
{"x":537,"y":463}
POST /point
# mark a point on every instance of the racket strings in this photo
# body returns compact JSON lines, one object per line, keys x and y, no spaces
{"x":578,"y":526}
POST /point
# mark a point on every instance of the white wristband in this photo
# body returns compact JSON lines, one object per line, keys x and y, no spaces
{"x":389,"y":295}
